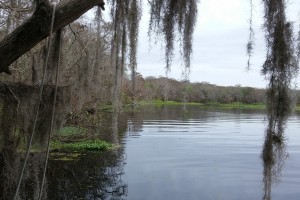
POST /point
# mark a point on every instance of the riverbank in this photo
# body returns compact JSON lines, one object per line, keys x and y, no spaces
{"x":141,"y":104}
{"x":236,"y":105}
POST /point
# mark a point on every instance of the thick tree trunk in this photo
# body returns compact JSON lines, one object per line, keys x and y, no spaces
{"x":37,"y":28}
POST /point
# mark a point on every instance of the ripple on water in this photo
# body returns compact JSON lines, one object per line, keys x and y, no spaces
{"x":208,"y":155}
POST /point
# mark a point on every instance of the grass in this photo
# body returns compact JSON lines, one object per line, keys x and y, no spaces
{"x":237,"y":105}
{"x":168,"y":103}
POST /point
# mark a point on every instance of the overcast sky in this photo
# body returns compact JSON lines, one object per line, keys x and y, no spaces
{"x":220,"y":42}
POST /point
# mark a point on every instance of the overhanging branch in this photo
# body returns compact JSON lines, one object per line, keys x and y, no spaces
{"x":37,"y":28}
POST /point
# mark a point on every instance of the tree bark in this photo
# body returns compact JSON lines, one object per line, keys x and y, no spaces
{"x":37,"y":28}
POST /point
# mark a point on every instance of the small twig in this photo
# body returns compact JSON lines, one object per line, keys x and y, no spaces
{"x":79,"y":40}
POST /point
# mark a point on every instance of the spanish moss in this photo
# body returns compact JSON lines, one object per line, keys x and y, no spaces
{"x":134,"y":18}
{"x":186,"y":77}
{"x":298,"y":45}
{"x":250,"y":44}
{"x":117,"y":14}
{"x":274,"y":155}
{"x":168,"y":15}
{"x":126,"y":17}
{"x":281,"y":64}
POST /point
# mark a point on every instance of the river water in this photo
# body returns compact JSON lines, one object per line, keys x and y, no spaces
{"x":206,"y":154}
{"x":167,"y":153}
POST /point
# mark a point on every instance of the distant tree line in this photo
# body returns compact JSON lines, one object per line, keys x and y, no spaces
{"x":161,"y":88}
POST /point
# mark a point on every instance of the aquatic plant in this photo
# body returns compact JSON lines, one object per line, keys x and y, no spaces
{"x":88,"y":145}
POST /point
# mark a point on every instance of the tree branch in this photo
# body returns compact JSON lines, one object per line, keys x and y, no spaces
{"x":37,"y":28}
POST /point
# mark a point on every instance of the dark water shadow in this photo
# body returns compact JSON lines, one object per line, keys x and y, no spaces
{"x":79,"y":176}
{"x":90,"y":176}
{"x":19,"y":103}
{"x":30,"y":186}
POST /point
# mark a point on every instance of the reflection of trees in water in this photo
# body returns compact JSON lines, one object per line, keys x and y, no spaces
{"x":134,"y":124}
{"x":114,"y":138}
{"x":92,"y":176}
{"x":97,"y":176}
{"x":19,"y":104}
{"x":9,"y":156}
{"x":274,"y":155}
{"x":31,"y":180}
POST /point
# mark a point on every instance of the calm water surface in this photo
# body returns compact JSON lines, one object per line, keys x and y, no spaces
{"x":205,"y":154}
{"x":168,"y":154}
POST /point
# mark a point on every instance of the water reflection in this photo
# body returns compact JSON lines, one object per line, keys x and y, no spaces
{"x":9,"y":176}
{"x":211,"y":153}
{"x":78,"y":176}
{"x":274,"y":154}
{"x":19,"y":104}
{"x":115,"y":129}
{"x":87,"y":176}
{"x":91,"y":176}
{"x":135,"y":125}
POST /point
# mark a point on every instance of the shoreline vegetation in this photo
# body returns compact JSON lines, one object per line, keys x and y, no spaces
{"x":235,"y":105}
{"x":144,"y":103}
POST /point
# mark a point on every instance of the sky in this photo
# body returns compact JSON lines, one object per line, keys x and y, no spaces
{"x":220,"y":38}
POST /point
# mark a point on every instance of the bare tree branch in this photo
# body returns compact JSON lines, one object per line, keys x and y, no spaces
{"x":37,"y":28}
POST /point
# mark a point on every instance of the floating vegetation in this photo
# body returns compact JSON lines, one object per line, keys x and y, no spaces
{"x":74,"y":139}
{"x":89,"y":145}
